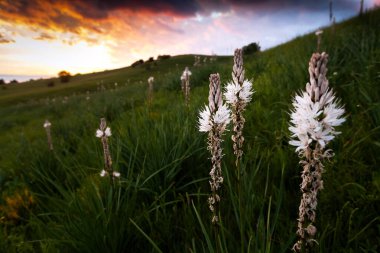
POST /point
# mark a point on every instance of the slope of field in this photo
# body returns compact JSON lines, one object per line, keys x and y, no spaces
{"x":55,"y":201}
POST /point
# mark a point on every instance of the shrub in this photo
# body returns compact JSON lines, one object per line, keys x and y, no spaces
{"x":64,"y":76}
{"x":137,"y":63}
{"x":163,"y":57}
{"x":251,"y":48}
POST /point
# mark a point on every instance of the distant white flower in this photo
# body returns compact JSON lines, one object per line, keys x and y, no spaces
{"x":318,"y":32}
{"x":100,"y":133}
{"x":205,"y":123}
{"x":151,"y":79}
{"x":116,"y":174}
{"x":185,"y":74}
{"x":235,"y":93}
{"x":47,"y":124}
{"x":103,"y":173}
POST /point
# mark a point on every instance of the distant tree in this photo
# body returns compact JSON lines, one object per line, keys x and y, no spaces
{"x":251,"y":48}
{"x":14,"y":81}
{"x":163,"y":57}
{"x":137,"y":63}
{"x":150,"y":59}
{"x":2,"y":81}
{"x":64,"y":76}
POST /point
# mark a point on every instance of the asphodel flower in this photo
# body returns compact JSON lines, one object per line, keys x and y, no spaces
{"x":315,"y":115}
{"x":103,"y":133}
{"x":238,"y":94}
{"x":214,"y":119}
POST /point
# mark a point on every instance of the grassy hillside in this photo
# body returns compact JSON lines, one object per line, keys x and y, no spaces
{"x":55,"y":201}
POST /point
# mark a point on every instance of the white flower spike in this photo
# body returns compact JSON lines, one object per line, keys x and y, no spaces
{"x":314,"y":118}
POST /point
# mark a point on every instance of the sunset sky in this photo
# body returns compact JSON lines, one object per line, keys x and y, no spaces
{"x":41,"y":37}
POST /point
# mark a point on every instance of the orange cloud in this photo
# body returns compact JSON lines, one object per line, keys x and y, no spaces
{"x":5,"y":40}
{"x":45,"y":36}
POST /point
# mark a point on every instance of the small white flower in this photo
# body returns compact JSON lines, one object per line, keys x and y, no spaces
{"x":222,"y":115}
{"x":318,"y":32}
{"x":205,"y":123}
{"x":103,"y":173}
{"x":107,"y":132}
{"x":231,"y":93}
{"x":151,"y":79}
{"x":333,"y":114}
{"x":100,"y":133}
{"x":235,"y":93}
{"x":47,"y":124}
{"x":116,"y":174}
{"x":302,"y":143}
{"x":246,"y":91}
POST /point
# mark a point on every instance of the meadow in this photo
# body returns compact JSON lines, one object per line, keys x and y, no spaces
{"x":56,"y":201}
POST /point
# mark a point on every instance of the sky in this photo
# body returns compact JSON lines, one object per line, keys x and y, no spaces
{"x":43,"y":37}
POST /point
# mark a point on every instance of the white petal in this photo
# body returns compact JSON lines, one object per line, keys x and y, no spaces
{"x":116,"y":174}
{"x":246,"y":91}
{"x":103,"y":173}
{"x":231,"y":92}
{"x":205,"y":120}
{"x":108,"y":132}
{"x":222,"y":115}
{"x":99,"y":133}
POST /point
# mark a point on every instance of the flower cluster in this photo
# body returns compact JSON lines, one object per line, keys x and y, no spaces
{"x":316,"y":113}
{"x":314,"y":118}
{"x":185,"y":84}
{"x":214,"y":120}
{"x":319,"y":33}
{"x":47,"y":126}
{"x":150,"y":88}
{"x":103,"y":133}
{"x":104,"y":173}
{"x":238,"y":94}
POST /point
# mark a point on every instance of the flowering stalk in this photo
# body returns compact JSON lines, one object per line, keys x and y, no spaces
{"x":214,"y":119}
{"x":103,"y":133}
{"x":197,"y":60}
{"x":47,"y":126}
{"x":319,"y":38}
{"x":314,"y":118}
{"x":238,"y":94}
{"x":185,"y":84}
{"x":150,"y":88}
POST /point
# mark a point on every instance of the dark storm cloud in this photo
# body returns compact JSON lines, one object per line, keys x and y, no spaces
{"x":176,"y":7}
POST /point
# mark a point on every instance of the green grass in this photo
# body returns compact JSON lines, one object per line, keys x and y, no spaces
{"x":160,"y":202}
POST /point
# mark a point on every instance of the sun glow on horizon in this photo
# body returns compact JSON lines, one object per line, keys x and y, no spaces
{"x":50,"y":57}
